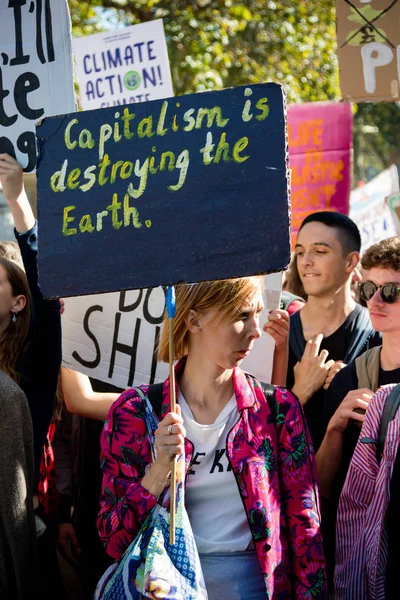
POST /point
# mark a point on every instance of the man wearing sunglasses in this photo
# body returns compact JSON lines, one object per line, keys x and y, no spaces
{"x":353,"y":388}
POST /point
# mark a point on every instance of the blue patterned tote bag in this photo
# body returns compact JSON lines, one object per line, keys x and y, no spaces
{"x":151,"y":567}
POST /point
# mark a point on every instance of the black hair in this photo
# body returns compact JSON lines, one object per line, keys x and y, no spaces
{"x":348,"y":232}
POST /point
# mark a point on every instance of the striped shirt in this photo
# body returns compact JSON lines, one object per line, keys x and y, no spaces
{"x":361,"y":534}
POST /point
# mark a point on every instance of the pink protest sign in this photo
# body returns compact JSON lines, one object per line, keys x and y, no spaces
{"x":320,"y":151}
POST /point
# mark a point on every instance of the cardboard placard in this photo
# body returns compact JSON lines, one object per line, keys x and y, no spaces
{"x":393,"y":202}
{"x":370,"y":211}
{"x":113,"y":337}
{"x":123,"y":66}
{"x":35,"y":72}
{"x":368,"y":35}
{"x":188,"y":189}
{"x":320,"y":157}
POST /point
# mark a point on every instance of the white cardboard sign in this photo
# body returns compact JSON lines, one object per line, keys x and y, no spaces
{"x":123,"y":66}
{"x":393,"y":201}
{"x":112,"y":337}
{"x":370,"y":211}
{"x":35,"y":72}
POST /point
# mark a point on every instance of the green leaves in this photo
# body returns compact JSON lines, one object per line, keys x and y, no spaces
{"x":214,"y":44}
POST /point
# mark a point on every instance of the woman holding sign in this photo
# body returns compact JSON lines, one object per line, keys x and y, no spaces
{"x":251,"y":492}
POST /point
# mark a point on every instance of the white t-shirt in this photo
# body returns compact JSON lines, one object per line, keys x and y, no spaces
{"x":213,"y":502}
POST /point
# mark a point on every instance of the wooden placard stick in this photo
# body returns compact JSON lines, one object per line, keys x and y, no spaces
{"x":171,"y":309}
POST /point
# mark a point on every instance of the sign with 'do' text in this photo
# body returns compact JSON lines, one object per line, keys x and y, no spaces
{"x":188,"y":189}
{"x":320,"y":156}
{"x":368,"y":34}
{"x":35,"y":72}
{"x":123,"y":66}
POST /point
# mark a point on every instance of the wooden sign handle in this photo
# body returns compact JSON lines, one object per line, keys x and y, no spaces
{"x":173,"y":409}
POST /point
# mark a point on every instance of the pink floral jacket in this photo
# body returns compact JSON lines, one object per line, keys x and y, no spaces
{"x":273,"y":462}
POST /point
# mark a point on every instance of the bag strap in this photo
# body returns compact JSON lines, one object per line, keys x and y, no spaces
{"x":296,"y":337}
{"x":155,"y":395}
{"x":361,"y":333}
{"x":367,"y":368}
{"x":270,"y":396}
{"x":152,"y":402}
{"x":389,"y":412}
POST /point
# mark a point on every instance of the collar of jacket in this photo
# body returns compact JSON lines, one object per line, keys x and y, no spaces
{"x":244,"y":394}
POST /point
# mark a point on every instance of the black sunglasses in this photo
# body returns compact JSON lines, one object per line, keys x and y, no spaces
{"x":390,"y":292}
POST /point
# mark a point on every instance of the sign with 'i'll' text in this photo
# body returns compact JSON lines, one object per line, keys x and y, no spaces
{"x":35,"y":72}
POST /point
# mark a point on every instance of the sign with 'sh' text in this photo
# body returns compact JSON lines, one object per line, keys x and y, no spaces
{"x":368,"y":35}
{"x":35,"y":72}
{"x":188,"y":189}
{"x":320,"y":156}
{"x":123,"y":66}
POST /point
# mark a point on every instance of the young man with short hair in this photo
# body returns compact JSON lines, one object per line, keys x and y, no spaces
{"x":331,"y":329}
{"x":353,"y":388}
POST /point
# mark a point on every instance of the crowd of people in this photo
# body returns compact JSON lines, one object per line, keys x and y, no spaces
{"x":291,"y":488}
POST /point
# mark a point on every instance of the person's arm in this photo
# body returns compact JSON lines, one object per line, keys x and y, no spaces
{"x":68,"y":543}
{"x":64,"y":461}
{"x":278,"y":326}
{"x":329,"y":455}
{"x":125,"y":452}
{"x":279,"y":367}
{"x":80,"y":398}
{"x":298,"y":480}
{"x":41,"y":362}
{"x":11,"y":178}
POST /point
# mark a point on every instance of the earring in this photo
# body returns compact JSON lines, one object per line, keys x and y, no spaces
{"x":14,"y":318}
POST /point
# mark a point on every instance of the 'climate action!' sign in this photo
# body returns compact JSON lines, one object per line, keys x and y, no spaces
{"x":123,"y":66}
{"x":189,"y":189}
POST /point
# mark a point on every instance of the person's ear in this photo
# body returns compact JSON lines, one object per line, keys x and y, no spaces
{"x":193,"y":321}
{"x":19,"y":303}
{"x":352,"y":261}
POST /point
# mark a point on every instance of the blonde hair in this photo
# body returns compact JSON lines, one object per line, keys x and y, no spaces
{"x":227,"y":296}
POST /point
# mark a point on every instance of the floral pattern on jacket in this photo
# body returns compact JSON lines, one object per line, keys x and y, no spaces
{"x":273,"y":463}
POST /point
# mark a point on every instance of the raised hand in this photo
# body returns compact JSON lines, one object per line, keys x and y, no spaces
{"x":278,"y":327}
{"x":170,"y":438}
{"x":12,"y":181}
{"x":337,"y":366}
{"x":311,"y":372}
{"x":353,"y":407}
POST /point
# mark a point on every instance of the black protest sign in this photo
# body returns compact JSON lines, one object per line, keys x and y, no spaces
{"x":35,"y":72}
{"x":186,"y":189}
